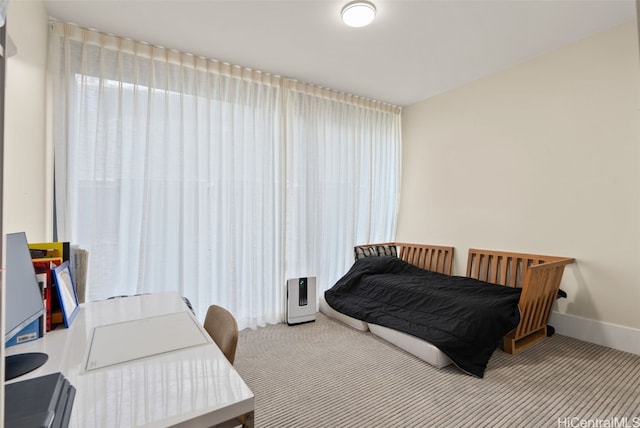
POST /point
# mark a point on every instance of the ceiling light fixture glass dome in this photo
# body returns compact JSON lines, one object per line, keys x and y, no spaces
{"x":358,"y":13}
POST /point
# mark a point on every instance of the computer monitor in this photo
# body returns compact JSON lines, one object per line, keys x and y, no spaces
{"x":23,"y":303}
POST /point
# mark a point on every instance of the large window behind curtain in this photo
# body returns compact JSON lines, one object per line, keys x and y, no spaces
{"x":342,"y":179}
{"x":180,"y":173}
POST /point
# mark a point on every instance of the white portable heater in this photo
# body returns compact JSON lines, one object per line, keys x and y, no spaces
{"x":301,"y":300}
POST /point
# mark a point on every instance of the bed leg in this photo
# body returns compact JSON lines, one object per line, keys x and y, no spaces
{"x":511,"y":345}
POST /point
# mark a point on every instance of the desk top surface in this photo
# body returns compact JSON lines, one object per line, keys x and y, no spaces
{"x":189,"y":383}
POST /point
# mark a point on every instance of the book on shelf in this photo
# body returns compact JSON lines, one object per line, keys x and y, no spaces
{"x":43,"y":282}
{"x":79,"y":262}
{"x":27,"y":334}
{"x":38,"y":328}
{"x":43,"y":268}
{"x":41,"y":250}
{"x":47,"y":256}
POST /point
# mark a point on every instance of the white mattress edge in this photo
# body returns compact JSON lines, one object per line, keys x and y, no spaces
{"x":345,"y":319}
{"x":413,"y":345}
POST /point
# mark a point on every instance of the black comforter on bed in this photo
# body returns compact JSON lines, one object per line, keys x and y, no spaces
{"x":465,"y":318}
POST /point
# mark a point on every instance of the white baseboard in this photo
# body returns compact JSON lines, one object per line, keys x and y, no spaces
{"x":601,"y":333}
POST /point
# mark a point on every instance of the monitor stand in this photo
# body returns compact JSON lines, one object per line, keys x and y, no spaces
{"x":19,"y":364}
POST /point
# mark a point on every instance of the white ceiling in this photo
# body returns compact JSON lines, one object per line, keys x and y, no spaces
{"x":413,"y":50}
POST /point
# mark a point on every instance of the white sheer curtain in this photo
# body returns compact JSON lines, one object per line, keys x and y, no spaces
{"x":219,"y":182}
{"x":342,"y":179}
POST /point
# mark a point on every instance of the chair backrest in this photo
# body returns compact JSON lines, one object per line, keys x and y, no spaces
{"x":223,"y":329}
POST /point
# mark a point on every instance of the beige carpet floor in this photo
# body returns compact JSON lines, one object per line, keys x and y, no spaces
{"x":325,"y":374}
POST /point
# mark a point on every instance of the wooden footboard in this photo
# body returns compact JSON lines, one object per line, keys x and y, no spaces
{"x":538,"y":276}
{"x":435,"y":258}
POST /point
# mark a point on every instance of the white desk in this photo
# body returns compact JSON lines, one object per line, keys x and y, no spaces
{"x":191,"y":386}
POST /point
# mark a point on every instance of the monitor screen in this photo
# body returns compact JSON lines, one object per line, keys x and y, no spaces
{"x":23,"y":302}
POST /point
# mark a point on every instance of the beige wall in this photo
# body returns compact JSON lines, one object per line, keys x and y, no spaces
{"x":541,"y":158}
{"x":27,"y":170}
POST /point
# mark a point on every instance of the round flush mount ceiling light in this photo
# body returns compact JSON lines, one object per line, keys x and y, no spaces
{"x":358,"y":13}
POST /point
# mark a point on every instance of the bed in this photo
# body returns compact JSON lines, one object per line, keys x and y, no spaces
{"x":430,"y":257}
{"x":529,"y":283}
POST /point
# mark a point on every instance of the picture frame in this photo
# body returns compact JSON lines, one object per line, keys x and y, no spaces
{"x":67,"y":293}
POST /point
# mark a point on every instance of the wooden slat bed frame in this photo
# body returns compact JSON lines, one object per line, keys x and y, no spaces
{"x":539,"y":277}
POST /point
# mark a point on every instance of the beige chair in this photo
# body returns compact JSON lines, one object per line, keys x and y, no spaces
{"x":223,"y":329}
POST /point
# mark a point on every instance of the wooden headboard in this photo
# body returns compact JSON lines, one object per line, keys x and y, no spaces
{"x":435,"y":258}
{"x":505,"y":268}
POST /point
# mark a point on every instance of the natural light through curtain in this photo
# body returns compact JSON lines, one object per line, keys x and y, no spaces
{"x":219,"y":182}
{"x":342,"y":179}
